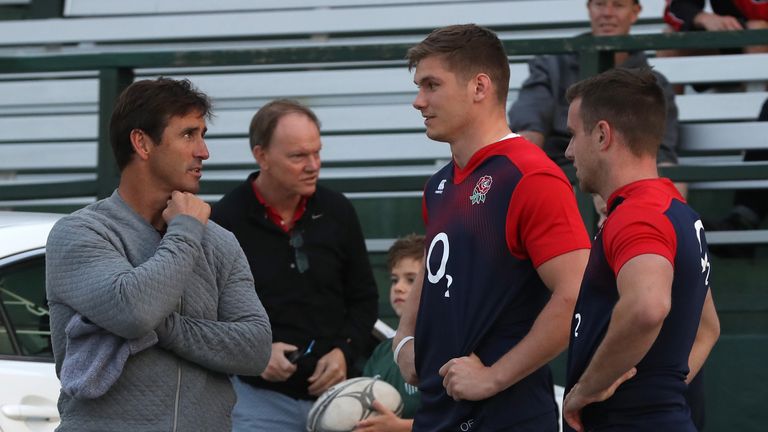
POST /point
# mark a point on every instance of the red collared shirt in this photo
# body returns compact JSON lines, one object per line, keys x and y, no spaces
{"x":272,"y":213}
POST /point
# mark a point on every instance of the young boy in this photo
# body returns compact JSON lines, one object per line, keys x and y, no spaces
{"x":404,"y":259}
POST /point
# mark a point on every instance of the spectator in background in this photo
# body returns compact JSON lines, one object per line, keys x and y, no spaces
{"x":689,"y":15}
{"x":306,"y":250}
{"x":726,"y":15}
{"x":404,"y":260}
{"x":540,"y":111}
{"x":148,"y":260}
{"x":750,"y":206}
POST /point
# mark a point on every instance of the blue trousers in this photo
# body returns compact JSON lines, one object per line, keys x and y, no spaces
{"x":258,"y":410}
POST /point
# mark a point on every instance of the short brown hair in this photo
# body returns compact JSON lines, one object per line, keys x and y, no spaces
{"x":468,"y":49}
{"x":410,"y":246}
{"x":265,"y":120}
{"x":148,"y":105}
{"x":630,"y":100}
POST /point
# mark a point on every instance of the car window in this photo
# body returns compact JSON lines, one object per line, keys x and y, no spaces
{"x":22,"y":292}
{"x":5,"y":340}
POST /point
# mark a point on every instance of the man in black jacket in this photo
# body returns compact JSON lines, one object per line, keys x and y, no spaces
{"x":310,"y":265}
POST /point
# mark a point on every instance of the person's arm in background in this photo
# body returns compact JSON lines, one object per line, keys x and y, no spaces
{"x":713,"y":22}
{"x":687,"y":15}
{"x":532,"y":113}
{"x":706,"y":336}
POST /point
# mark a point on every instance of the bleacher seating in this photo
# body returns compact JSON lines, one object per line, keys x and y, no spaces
{"x":374,"y":146}
{"x":112,"y":25}
{"x":362,"y":106}
{"x":358,"y":107}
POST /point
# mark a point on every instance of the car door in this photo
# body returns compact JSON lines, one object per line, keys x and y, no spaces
{"x":29,"y":388}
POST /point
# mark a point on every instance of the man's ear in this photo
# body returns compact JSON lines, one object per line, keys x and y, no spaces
{"x":636,"y":9}
{"x":140,"y":143}
{"x":605,"y":134}
{"x":483,"y":86}
{"x":258,"y":155}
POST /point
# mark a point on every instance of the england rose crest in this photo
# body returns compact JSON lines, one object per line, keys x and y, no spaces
{"x":481,"y":188}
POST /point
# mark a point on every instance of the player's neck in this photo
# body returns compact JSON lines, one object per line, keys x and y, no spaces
{"x":622,"y":174}
{"x":481,"y":135}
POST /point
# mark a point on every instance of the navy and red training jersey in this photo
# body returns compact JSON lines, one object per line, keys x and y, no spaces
{"x":488,"y":226}
{"x":645,"y":217}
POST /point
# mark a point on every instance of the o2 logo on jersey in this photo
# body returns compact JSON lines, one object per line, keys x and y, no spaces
{"x":705,"y":266}
{"x":435,"y":277}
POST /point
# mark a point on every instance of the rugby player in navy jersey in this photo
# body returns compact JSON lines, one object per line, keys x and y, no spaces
{"x":645,"y":321}
{"x":505,"y":251}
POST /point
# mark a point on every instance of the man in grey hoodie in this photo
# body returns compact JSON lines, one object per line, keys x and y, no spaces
{"x":147,"y":259}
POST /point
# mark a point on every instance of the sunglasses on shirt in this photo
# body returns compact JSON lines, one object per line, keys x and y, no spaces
{"x":297,"y":242}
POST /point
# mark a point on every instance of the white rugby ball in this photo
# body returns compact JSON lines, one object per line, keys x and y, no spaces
{"x":343,"y":405}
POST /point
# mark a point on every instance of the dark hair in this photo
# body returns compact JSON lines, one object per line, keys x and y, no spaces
{"x":265,"y":120}
{"x":148,"y":105}
{"x":468,"y":49}
{"x":410,"y":246}
{"x":630,"y":100}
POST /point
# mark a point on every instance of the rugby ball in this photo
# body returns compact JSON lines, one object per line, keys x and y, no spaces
{"x":343,"y":405}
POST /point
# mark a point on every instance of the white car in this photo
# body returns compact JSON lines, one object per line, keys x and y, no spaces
{"x":29,"y":388}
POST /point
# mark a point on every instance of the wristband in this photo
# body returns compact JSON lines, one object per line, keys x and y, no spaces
{"x":400,"y":346}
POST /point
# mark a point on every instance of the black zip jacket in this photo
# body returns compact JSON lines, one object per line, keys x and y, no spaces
{"x":333,"y":302}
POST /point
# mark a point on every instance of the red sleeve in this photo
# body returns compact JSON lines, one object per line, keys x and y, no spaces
{"x":634,"y":231}
{"x":543,"y":220}
{"x":424,"y":213}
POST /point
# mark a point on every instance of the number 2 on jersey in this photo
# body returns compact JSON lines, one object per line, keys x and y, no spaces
{"x":577,"y":317}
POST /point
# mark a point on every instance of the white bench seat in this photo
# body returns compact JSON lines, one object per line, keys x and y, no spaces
{"x":352,"y":133}
{"x":713,"y":137}
{"x":75,"y":8}
{"x":720,"y":106}
{"x":208,"y":25}
{"x":713,"y":68}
